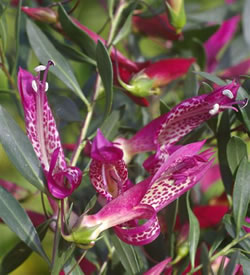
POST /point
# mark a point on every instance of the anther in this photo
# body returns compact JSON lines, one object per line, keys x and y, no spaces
{"x":51,"y":62}
{"x":215,"y":109}
{"x":34,"y":85}
{"x":46,"y":86}
{"x":40,"y":68}
{"x":228,"y":93}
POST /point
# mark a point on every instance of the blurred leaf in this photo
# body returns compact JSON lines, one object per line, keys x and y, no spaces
{"x":223,"y":137}
{"x":234,"y":259}
{"x":244,"y":261}
{"x":77,"y":35}
{"x":129,"y":256}
{"x":205,"y":260}
{"x":164,"y":108}
{"x":90,"y":204}
{"x":246,"y":21}
{"x":66,"y":109}
{"x":70,"y":264}
{"x":216,"y":15}
{"x":3,"y":32}
{"x":205,"y":88}
{"x":202,"y":34}
{"x":105,"y":69}
{"x":236,"y":151}
{"x":19,"y":150}
{"x":199,"y":52}
{"x":111,"y":124}
{"x":124,"y":31}
{"x":45,"y":51}
{"x":191,"y":83}
{"x":212,"y":78}
{"x":241,"y":193}
{"x":18,"y":221}
{"x":230,"y":227}
{"x":243,"y":93}
{"x":220,"y":236}
{"x":64,"y":251}
{"x":70,"y":52}
{"x":221,"y":266}
{"x":194,"y":233}
{"x":110,"y":4}
{"x":18,"y":254}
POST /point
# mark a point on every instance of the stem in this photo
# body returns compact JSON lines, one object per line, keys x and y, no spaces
{"x":6,"y":72}
{"x":56,"y":237}
{"x":77,"y":263}
{"x":81,"y":140}
{"x":226,"y":250}
{"x":104,"y":265}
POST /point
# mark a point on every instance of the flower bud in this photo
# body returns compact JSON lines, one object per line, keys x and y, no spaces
{"x":45,"y":15}
{"x":176,"y":13}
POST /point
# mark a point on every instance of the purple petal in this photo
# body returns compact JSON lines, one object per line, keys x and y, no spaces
{"x":107,"y":177}
{"x":218,"y":40}
{"x":104,"y":150}
{"x":163,"y":132}
{"x":62,"y":184}
{"x":140,"y":234}
{"x":42,"y":133}
{"x":17,"y":191}
{"x":158,"y":268}
{"x":176,"y":176}
{"x":237,"y":70}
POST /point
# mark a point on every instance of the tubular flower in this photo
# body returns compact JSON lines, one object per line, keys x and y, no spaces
{"x":156,"y":26}
{"x":218,"y":40}
{"x":126,"y":204}
{"x":162,"y":133}
{"x":41,"y":129}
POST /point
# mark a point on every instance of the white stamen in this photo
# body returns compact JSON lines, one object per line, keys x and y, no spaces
{"x":40,"y":68}
{"x":215,"y":109}
{"x":46,"y":86}
{"x":228,"y":93}
{"x":34,"y":85}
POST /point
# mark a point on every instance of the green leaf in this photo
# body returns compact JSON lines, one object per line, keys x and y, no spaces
{"x":223,"y":137}
{"x":71,"y":263}
{"x":111,"y":124}
{"x":232,"y":263}
{"x":81,"y":38}
{"x":194,"y":233}
{"x":45,"y":51}
{"x":241,"y":194}
{"x":205,"y":260}
{"x":220,"y":236}
{"x":129,"y":256}
{"x":110,"y":4}
{"x":18,"y":221}
{"x":70,"y":52}
{"x":246,"y":21}
{"x":236,"y":151}
{"x":164,"y":108}
{"x":105,"y":69}
{"x":212,"y":78}
{"x":64,"y":251}
{"x":199,"y":52}
{"x":20,"y":252}
{"x":191,"y":83}
{"x":124,"y":31}
{"x":19,"y":150}
{"x":244,"y":261}
{"x":243,"y":93}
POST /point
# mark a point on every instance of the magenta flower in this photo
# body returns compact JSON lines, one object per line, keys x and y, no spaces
{"x":126,"y":204}
{"x":41,"y":129}
{"x":162,"y":133}
{"x":159,"y":268}
{"x":218,"y":40}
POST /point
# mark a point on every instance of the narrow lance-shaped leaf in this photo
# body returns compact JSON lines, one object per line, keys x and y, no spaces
{"x":45,"y":51}
{"x":236,"y":151}
{"x":104,"y":66}
{"x":128,"y":255}
{"x":20,"y":150}
{"x":241,"y":194}
{"x":15,"y":217}
{"x":194,"y":233}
